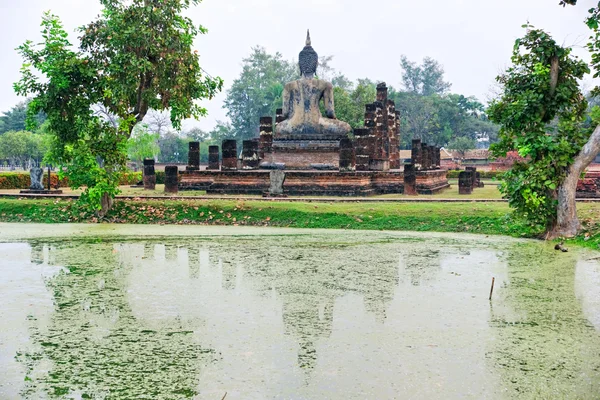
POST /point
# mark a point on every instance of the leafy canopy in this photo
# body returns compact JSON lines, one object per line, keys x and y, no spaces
{"x":136,"y":56}
{"x":540,"y":87}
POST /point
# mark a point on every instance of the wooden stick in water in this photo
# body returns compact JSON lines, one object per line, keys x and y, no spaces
{"x":492,"y":290}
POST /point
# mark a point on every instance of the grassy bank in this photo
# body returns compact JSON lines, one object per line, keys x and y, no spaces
{"x":480,"y":218}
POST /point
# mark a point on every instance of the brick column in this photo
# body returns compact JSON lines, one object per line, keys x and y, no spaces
{"x":229,"y":155}
{"x":380,"y":155}
{"x":393,"y":131}
{"x":149,"y":174}
{"x":194,"y":157}
{"x":416,"y":154}
{"x":347,"y":155}
{"x":425,"y":161}
{"x":363,"y":142}
{"x":432,"y":158}
{"x":265,"y":149}
{"x":250,"y":158}
{"x":213,"y":158}
{"x":171,"y":179}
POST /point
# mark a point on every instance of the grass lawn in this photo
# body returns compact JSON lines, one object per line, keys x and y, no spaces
{"x":481,"y":218}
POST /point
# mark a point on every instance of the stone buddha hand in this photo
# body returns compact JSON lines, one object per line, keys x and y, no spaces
{"x":301,"y":100}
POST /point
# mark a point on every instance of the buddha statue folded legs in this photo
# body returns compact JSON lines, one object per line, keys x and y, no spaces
{"x":301,"y":100}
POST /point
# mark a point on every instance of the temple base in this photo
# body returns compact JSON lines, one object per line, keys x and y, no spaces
{"x":29,"y":191}
{"x":312,"y":183}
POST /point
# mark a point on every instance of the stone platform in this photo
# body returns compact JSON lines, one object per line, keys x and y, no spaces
{"x":312,"y":183}
{"x":432,"y":182}
{"x":29,"y":191}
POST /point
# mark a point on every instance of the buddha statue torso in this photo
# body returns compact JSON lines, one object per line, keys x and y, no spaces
{"x":301,"y":100}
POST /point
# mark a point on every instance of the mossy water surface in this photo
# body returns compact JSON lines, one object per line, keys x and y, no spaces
{"x":192,"y":312}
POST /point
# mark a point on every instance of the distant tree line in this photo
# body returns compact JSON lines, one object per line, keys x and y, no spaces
{"x":154,"y":138}
{"x":19,"y":147}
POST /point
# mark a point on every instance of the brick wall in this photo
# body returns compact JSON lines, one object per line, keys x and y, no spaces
{"x":301,"y":159}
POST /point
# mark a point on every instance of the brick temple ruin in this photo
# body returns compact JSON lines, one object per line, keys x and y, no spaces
{"x":319,"y":154}
{"x":366,"y":164}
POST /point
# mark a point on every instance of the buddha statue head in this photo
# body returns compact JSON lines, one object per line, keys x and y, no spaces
{"x":309,"y":59}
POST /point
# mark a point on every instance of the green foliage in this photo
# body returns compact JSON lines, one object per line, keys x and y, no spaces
{"x":532,"y":99}
{"x":135,"y":57}
{"x":21,"y":180}
{"x":143,"y":49}
{"x":350,"y":101}
{"x":462,"y":145}
{"x":454,"y":174}
{"x":85,"y":170}
{"x":142,"y":144}
{"x":22,"y":146}
{"x":257,"y":92}
{"x":425,"y":79}
{"x":438,"y":120}
{"x":15,"y":118}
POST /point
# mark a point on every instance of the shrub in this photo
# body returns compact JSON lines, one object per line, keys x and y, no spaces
{"x":21,"y":180}
{"x":483,"y":174}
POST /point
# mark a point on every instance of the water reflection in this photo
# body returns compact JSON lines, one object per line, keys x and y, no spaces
{"x":358,"y":316}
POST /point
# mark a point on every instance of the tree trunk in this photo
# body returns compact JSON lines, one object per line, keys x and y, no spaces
{"x":568,"y":224}
{"x":106,"y":202}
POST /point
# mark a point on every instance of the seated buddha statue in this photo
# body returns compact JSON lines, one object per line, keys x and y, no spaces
{"x":301,"y":100}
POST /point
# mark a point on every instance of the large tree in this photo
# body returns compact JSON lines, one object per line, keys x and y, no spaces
{"x":541,"y":87}
{"x":257,"y":91}
{"x":425,"y":79}
{"x":136,"y":56}
{"x":570,"y":143}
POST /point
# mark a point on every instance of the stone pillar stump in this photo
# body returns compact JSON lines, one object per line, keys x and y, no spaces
{"x":149,"y":174}
{"x":171,"y":179}
{"x":250,"y":159}
{"x":213,"y":158}
{"x":229,"y":156}
{"x":194,"y":156}
{"x":465,"y":183}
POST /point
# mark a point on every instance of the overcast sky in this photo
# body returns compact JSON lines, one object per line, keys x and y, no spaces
{"x":472,"y":39}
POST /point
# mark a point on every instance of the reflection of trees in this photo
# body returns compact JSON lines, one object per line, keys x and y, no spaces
{"x":96,"y":344}
{"x":309,"y":276}
{"x":545,"y":338}
{"x":95,"y":347}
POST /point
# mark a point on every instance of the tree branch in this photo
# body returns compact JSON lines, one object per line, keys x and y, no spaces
{"x":554,"y":70}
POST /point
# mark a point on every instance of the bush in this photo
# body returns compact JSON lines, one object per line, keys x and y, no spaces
{"x":21,"y":180}
{"x":484,"y":174}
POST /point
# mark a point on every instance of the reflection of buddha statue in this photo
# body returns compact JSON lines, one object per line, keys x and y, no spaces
{"x":301,"y":100}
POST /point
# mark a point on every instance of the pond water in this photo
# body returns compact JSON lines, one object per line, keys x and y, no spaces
{"x":152,"y":312}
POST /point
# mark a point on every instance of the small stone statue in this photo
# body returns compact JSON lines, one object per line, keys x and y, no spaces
{"x":277,"y":179}
{"x":301,"y":101}
{"x":37,"y":175}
